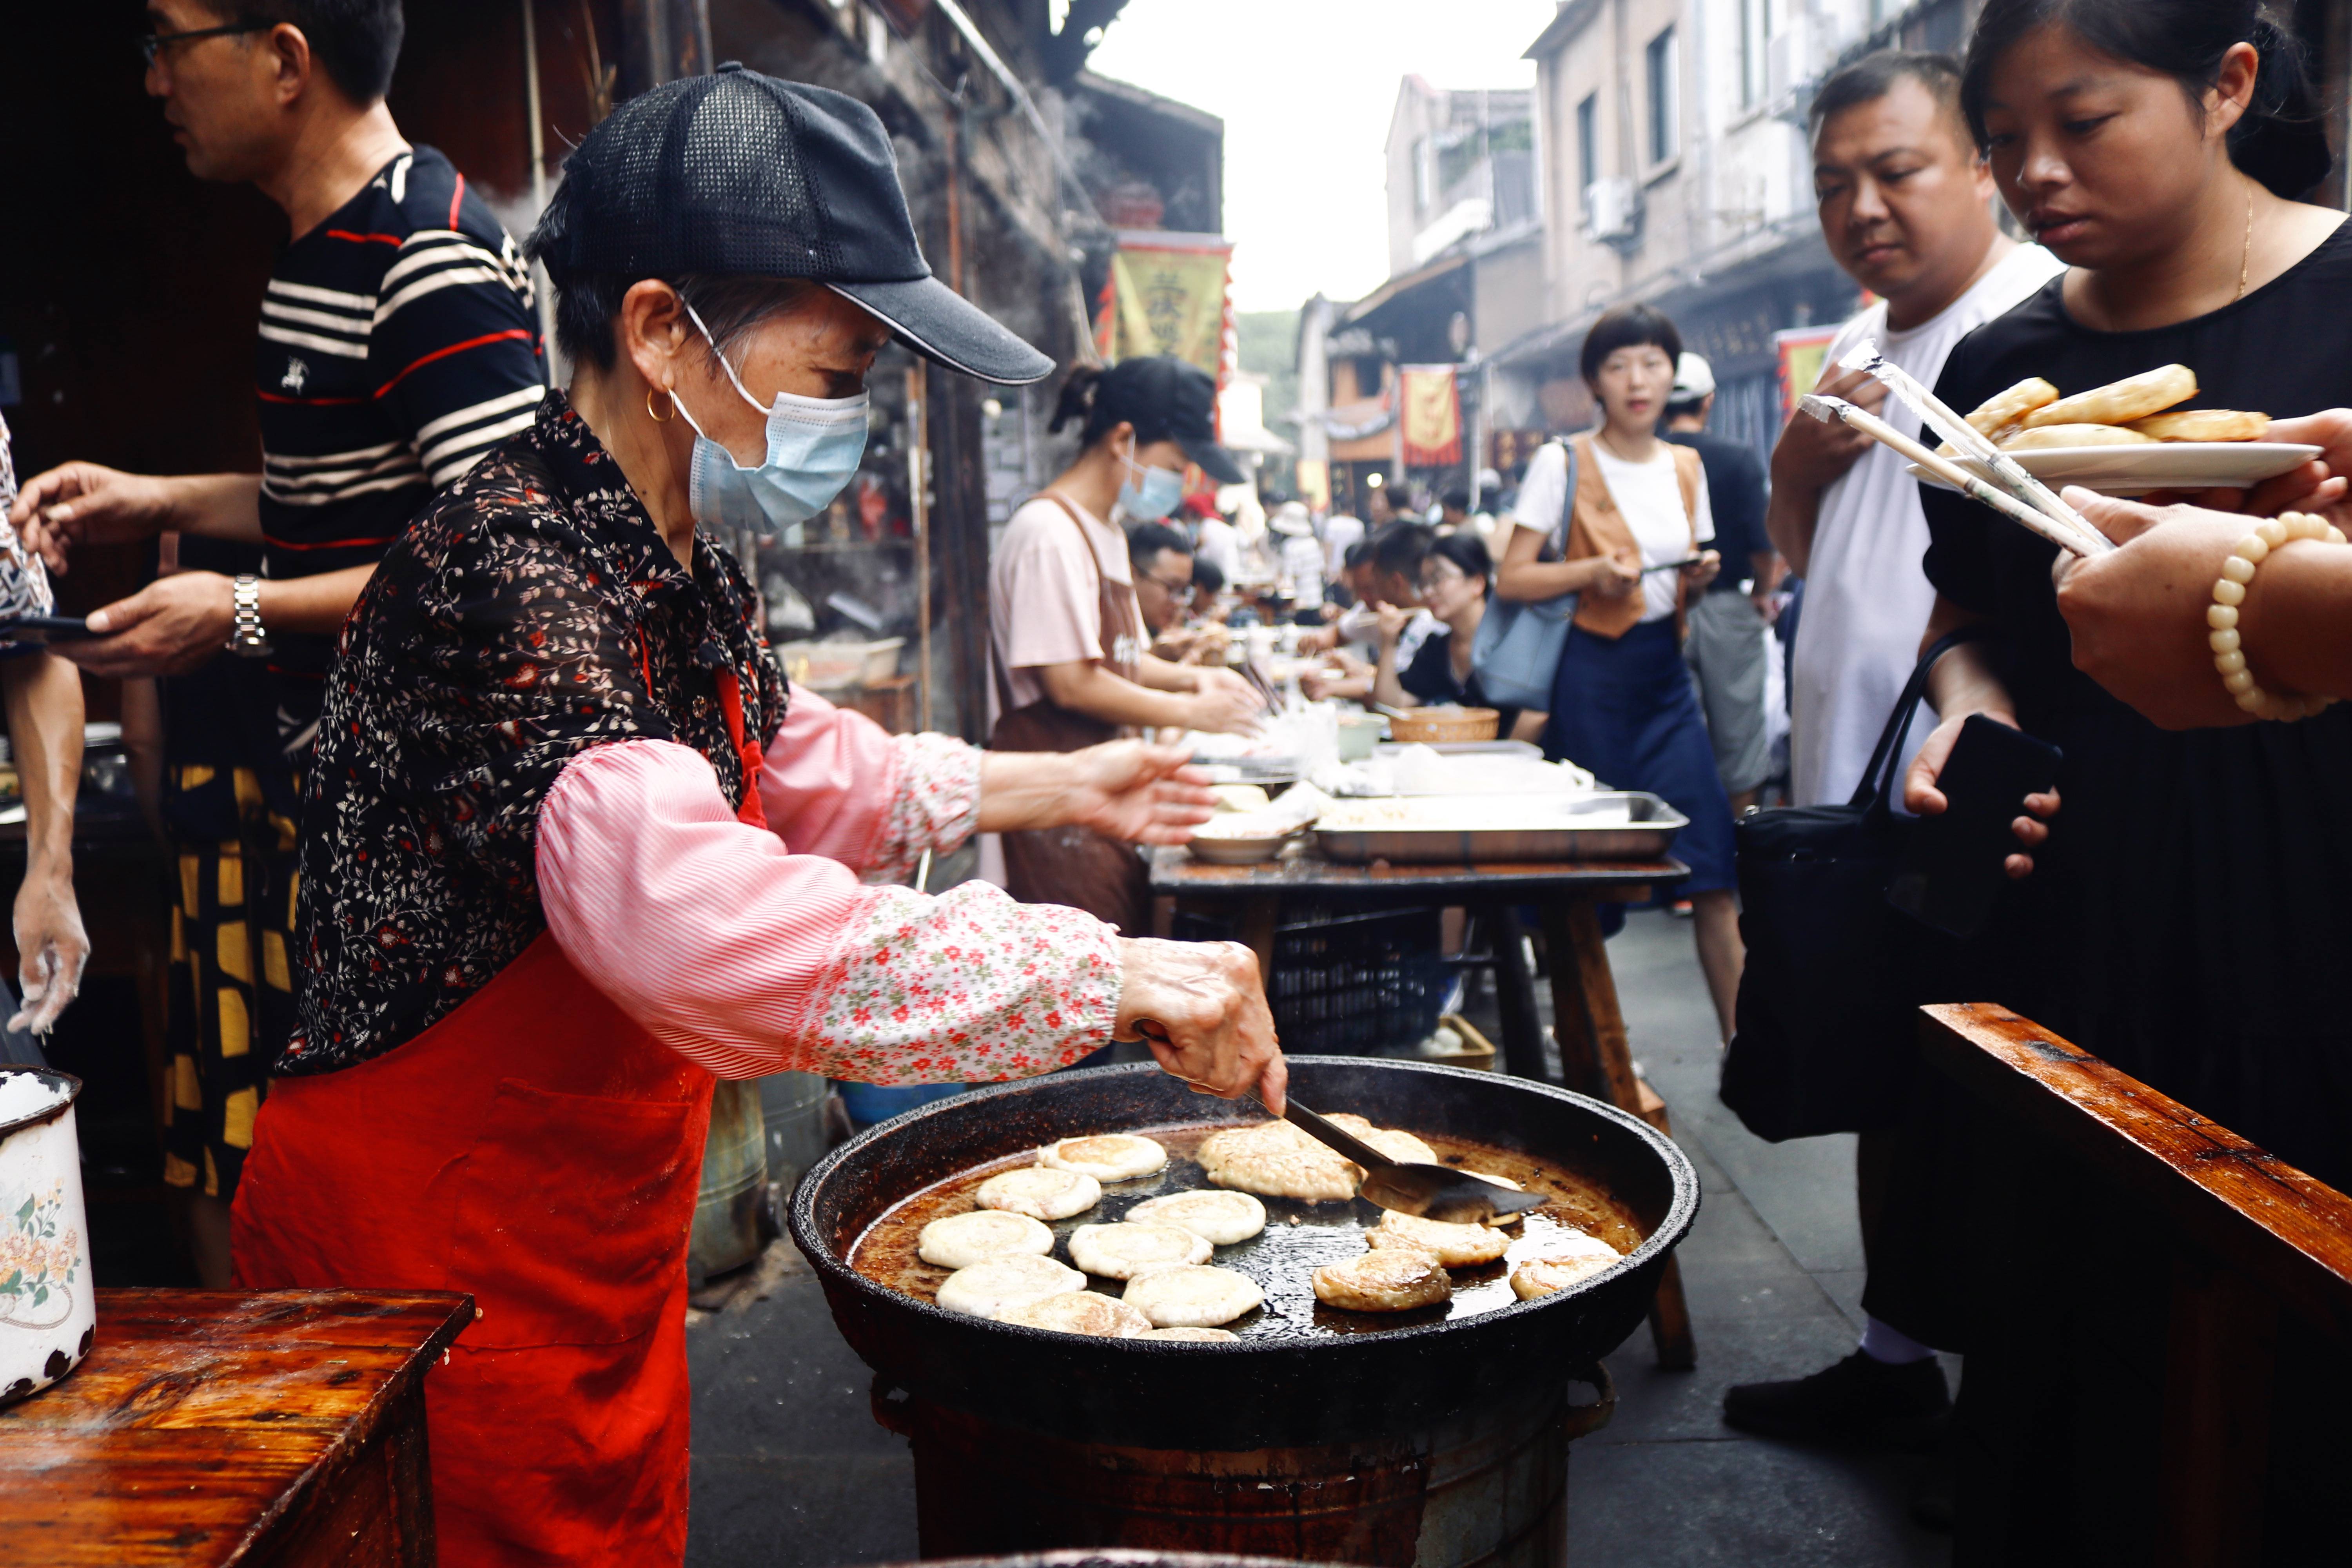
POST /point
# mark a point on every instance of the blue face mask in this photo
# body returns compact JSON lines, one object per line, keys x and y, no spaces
{"x":1148,"y":494}
{"x":815,"y":445}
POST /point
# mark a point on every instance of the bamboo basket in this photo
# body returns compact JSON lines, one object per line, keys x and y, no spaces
{"x":1438,"y":725}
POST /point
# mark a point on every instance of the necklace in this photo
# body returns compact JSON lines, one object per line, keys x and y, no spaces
{"x":2246,"y":251}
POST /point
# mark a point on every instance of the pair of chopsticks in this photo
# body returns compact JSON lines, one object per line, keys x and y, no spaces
{"x":2014,"y":493}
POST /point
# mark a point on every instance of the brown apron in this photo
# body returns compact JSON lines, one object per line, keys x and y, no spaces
{"x":1076,"y":866}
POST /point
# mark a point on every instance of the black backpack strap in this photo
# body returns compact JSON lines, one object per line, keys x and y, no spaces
{"x":1877,"y":780}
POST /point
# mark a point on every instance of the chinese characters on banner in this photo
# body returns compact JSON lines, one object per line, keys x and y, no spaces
{"x":1168,"y":296}
{"x":1431,"y":412}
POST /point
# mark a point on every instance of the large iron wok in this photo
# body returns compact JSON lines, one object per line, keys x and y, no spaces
{"x":1259,"y":1393}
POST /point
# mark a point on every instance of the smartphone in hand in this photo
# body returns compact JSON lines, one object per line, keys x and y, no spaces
{"x":1952,"y":867}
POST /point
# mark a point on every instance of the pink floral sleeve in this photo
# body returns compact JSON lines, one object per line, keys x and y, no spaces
{"x":839,"y":785}
{"x":751,"y":959}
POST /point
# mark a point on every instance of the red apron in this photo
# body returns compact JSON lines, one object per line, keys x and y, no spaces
{"x":540,"y":1150}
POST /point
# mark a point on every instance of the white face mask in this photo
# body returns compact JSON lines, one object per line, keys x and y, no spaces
{"x":815,"y":445}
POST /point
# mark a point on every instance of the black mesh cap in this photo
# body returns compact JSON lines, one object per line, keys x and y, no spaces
{"x":1168,"y":399}
{"x":739,"y":174}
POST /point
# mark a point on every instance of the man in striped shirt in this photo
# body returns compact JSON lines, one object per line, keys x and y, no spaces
{"x":397,"y":345}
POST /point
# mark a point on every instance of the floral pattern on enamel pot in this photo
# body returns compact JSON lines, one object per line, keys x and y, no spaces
{"x":49,"y":1317}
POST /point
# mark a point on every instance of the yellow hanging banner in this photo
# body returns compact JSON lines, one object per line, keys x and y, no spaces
{"x":1432,"y":416}
{"x":1169,"y":300}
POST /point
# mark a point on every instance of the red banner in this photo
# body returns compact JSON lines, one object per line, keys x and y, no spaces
{"x":1430,"y":408}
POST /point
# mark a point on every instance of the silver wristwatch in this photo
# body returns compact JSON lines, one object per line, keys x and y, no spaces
{"x":246,"y":638}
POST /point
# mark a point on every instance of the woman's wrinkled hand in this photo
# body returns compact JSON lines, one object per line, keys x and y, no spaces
{"x":53,"y":948}
{"x":2137,"y":613}
{"x":1922,"y":798}
{"x":1138,"y":792}
{"x":1201,"y":1008}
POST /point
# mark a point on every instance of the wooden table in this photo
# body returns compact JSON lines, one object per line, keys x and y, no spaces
{"x":284,"y":1430}
{"x":1593,"y":1054}
{"x":2161,"y":1345}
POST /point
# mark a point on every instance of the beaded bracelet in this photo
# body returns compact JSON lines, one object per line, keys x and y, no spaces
{"x":2230,"y":591}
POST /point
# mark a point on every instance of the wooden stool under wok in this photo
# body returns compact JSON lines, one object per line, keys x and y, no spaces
{"x":1595,"y":1058}
{"x":2159,"y":1363}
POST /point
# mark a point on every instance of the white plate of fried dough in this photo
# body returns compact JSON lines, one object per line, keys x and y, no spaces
{"x":2130,"y":437}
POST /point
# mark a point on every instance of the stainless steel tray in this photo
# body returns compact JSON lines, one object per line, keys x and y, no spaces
{"x":1649,"y":837}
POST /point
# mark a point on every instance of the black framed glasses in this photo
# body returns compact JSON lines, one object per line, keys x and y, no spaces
{"x":1180,"y":592}
{"x":151,"y":44}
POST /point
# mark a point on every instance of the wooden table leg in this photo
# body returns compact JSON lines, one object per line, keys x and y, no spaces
{"x":1256,"y":931}
{"x":1515,"y":996}
{"x":1596,"y":1059}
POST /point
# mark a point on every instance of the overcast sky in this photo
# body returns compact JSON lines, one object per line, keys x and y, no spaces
{"x":1305,"y":88}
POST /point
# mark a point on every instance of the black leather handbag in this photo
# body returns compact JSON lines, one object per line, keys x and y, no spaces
{"x":1827,"y":1026}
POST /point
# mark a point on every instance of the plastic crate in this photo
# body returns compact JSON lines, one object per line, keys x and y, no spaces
{"x":1355,"y":984}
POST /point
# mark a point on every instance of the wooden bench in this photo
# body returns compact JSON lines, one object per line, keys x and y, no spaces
{"x":2161,"y":1366}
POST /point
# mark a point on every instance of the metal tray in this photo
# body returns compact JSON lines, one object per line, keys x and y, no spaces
{"x":1648,"y":837}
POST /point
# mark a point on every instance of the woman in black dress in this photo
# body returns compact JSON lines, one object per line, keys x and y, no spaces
{"x":2186,"y":915}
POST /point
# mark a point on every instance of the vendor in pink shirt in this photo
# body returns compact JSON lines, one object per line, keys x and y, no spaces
{"x":1071,"y":661}
{"x":572,"y":848}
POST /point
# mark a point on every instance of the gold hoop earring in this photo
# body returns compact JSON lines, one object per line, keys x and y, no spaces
{"x":661,"y":418}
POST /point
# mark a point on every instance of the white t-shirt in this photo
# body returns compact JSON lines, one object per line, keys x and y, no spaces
{"x":1361,"y":625}
{"x":1043,"y":604}
{"x":1866,"y":596}
{"x":1341,"y":533}
{"x":1302,"y":568}
{"x":1650,"y":497}
{"x":1221,"y":547}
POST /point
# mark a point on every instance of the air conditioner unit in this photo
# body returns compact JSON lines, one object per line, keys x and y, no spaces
{"x":1613,"y":210}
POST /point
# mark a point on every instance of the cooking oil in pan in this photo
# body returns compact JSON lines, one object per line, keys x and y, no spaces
{"x":1298,"y":1238}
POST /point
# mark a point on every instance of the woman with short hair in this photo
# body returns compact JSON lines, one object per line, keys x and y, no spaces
{"x":1631,"y":541}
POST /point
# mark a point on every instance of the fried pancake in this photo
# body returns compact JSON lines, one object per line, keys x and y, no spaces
{"x":1011,"y":1280}
{"x":1041,"y":1192}
{"x":961,"y":1240}
{"x":2011,"y":407}
{"x":1200,"y":1336}
{"x":1396,"y":1145}
{"x":1392,"y":1279}
{"x":1456,"y":1246}
{"x":2205,"y":424}
{"x":1106,"y":1156}
{"x":2120,"y":402}
{"x":1193,"y":1296}
{"x":1569,"y":1260}
{"x":1277,"y":1161}
{"x":1124,"y":1250}
{"x":1223,"y":1218}
{"x":2046,"y":436}
{"x":1080,"y":1312}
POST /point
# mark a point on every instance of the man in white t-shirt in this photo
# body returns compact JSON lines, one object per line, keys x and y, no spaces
{"x":1906,"y":209}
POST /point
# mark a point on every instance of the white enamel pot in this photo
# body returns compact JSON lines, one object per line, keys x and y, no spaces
{"x":48,"y":1315}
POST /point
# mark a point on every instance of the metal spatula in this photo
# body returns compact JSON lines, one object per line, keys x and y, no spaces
{"x":1430,"y":1191}
{"x":1426,"y":1192}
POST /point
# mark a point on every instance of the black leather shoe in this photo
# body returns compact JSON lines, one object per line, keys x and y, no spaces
{"x":1860,"y":1402}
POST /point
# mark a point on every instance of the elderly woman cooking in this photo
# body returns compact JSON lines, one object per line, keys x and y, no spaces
{"x":572,"y":848}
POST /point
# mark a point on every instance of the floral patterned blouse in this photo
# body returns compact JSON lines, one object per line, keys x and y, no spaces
{"x":524,"y":732}
{"x":24,"y":582}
